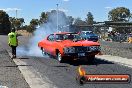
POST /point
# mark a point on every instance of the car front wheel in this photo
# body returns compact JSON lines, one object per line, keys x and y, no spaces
{"x":43,"y":52}
{"x":59,"y":57}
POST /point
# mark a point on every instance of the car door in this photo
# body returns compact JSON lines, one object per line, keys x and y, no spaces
{"x":50,"y":44}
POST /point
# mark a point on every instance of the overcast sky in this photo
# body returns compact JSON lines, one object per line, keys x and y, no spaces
{"x":29,"y":9}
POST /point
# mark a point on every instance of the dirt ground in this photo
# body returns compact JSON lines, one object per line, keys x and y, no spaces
{"x":117,"y":49}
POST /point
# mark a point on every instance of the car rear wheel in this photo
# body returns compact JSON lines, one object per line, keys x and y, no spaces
{"x":59,"y":57}
{"x":43,"y":52}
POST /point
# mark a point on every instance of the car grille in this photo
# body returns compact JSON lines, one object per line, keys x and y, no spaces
{"x":81,"y":49}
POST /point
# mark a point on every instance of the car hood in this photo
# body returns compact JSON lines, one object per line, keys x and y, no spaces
{"x":69,"y":43}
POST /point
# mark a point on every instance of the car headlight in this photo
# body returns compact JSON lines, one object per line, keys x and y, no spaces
{"x":69,"y":50}
{"x":94,"y":48}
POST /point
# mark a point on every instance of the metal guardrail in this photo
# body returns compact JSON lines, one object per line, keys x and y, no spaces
{"x":120,"y":38}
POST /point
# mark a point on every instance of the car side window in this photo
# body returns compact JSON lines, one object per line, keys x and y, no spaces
{"x":82,"y":33}
{"x":59,"y":37}
{"x":51,"y":37}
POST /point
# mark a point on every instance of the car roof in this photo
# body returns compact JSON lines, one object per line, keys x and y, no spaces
{"x":65,"y":33}
{"x":86,"y":31}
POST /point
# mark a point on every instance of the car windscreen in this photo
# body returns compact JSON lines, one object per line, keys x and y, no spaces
{"x":68,"y":37}
{"x":72,"y":37}
{"x":59,"y":37}
{"x":87,"y":33}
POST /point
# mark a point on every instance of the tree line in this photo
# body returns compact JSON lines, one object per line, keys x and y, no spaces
{"x":119,"y":14}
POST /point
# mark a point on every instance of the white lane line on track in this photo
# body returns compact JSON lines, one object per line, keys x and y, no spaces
{"x":116,"y":59}
{"x":3,"y":86}
{"x":32,"y":77}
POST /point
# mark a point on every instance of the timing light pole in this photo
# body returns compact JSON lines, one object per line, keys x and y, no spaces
{"x":16,"y":18}
{"x":57,"y":16}
{"x":16,"y":13}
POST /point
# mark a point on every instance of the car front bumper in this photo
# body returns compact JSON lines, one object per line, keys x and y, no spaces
{"x":81,"y":54}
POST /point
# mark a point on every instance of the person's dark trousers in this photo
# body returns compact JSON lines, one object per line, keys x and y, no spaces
{"x":13,"y":50}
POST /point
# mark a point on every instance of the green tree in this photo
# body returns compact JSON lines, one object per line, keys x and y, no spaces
{"x":70,"y":20}
{"x":119,"y":14}
{"x":17,"y":23}
{"x":12,"y":20}
{"x":77,"y":24}
{"x":43,"y":18}
{"x":22,"y":21}
{"x":78,"y":21}
{"x":29,"y":28}
{"x":33,"y":24}
{"x":130,"y":18}
{"x":89,"y":19}
{"x":24,"y":27}
{"x":5,"y":24}
{"x":62,"y":19}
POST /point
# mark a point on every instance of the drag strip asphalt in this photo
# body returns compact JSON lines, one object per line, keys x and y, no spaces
{"x":116,"y":59}
{"x":63,"y":75}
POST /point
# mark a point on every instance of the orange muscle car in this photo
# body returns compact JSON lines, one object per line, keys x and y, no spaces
{"x":67,"y":45}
